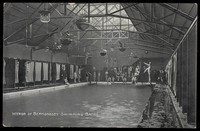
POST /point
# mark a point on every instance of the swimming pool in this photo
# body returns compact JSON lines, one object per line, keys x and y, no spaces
{"x":87,"y":106}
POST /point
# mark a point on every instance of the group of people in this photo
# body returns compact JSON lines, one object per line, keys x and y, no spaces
{"x":111,"y":78}
{"x":120,"y":74}
{"x":162,"y":77}
{"x":77,"y":77}
{"x":147,"y":68}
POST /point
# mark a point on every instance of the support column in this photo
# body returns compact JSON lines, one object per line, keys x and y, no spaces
{"x":88,"y":12}
{"x":184,"y":76}
{"x":49,"y":72}
{"x":42,"y":73}
{"x":180,"y":77}
{"x":192,"y":70}
{"x":34,"y":74}
{"x":172,"y":74}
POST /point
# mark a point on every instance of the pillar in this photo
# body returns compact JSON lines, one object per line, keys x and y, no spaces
{"x":181,"y":76}
{"x":192,"y":70}
{"x":178,"y":76}
{"x":184,"y":76}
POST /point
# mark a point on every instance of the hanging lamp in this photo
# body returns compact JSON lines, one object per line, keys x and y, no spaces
{"x":103,"y":52}
{"x":65,"y":39}
{"x":44,"y":15}
{"x":122,"y":49}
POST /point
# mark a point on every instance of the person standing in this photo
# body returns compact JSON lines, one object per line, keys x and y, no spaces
{"x":66,"y":81}
{"x":134,"y":78}
{"x":75,"y":76}
{"x":79,"y":75}
{"x":95,"y":76}
{"x":124,"y":78}
{"x":87,"y":76}
{"x":113,"y":79}
{"x":148,"y":70}
{"x":99,"y":76}
{"x":118,"y":76}
{"x":106,"y":73}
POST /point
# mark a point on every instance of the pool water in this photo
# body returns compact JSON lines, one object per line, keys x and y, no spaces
{"x":86,"y":106}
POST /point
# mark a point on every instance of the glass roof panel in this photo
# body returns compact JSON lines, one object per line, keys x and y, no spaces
{"x":98,"y":17}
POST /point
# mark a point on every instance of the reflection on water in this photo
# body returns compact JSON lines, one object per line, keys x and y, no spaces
{"x":113,"y":115}
{"x":89,"y":106}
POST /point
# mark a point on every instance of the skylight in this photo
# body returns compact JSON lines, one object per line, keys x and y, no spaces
{"x":101,"y":20}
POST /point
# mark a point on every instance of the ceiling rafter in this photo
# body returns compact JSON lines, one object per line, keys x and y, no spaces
{"x":148,"y":17}
{"x":163,"y":14}
{"x":56,"y":9}
{"x":80,"y":8}
{"x":156,"y":51}
{"x":186,"y":34}
{"x":151,"y":18}
{"x":106,"y":17}
{"x":147,"y":35}
{"x":171,"y":31}
{"x":88,"y":30}
{"x":186,"y":19}
{"x":154,"y":28}
{"x":48,"y":36}
{"x":154,"y":47}
{"x":95,"y":7}
{"x":153,"y":42}
{"x":51,"y":23}
{"x":23,"y":27}
{"x":161,"y":38}
{"x":23,"y":39}
{"x":50,"y":9}
{"x":122,"y":9}
{"x":97,"y":23}
{"x":67,"y":23}
{"x":142,"y":36}
{"x":101,"y":19}
{"x":165,"y":17}
{"x":137,"y":32}
{"x":177,"y":11}
{"x":35,"y":32}
{"x":91,"y":11}
{"x":8,"y":24}
{"x":141,"y":14}
{"x":23,"y":19}
{"x":6,"y":13}
{"x":18,"y":9}
{"x":70,"y":19}
{"x":144,"y":14}
{"x":135,"y":19}
{"x":153,"y":13}
{"x":71,"y":11}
